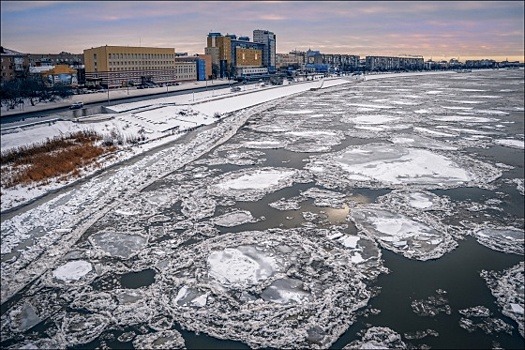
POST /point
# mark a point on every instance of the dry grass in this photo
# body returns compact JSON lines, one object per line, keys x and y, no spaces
{"x":61,"y":157}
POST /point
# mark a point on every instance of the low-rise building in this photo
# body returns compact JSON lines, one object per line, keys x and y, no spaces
{"x":49,"y":59}
{"x":115,"y":66}
{"x":393,"y":63}
{"x":61,"y":74}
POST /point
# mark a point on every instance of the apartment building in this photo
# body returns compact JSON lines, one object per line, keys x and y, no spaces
{"x":49,"y":59}
{"x":390,"y":63}
{"x":268,"y":39}
{"x":13,"y":64}
{"x":116,"y":66}
{"x":229,"y":53}
{"x":292,"y":59}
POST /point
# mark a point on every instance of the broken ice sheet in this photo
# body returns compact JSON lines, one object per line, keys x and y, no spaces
{"x":167,"y":339}
{"x":503,"y":239}
{"x":433,"y":305}
{"x":401,"y":234}
{"x":379,"y":165}
{"x":378,"y":338}
{"x":23,"y":317}
{"x":267,"y":289}
{"x":508,"y":286}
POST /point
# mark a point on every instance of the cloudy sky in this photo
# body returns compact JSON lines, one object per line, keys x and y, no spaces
{"x":438,"y":30}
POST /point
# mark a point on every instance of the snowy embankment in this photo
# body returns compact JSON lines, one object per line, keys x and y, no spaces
{"x":160,"y":120}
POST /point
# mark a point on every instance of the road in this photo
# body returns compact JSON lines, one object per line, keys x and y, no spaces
{"x":94,"y":107}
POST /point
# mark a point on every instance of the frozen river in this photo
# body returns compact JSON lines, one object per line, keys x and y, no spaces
{"x":388,"y":212}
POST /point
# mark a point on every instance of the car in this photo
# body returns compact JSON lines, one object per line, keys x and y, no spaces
{"x":76,"y":105}
{"x":236,"y":88}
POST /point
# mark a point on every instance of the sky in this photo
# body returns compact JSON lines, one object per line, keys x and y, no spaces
{"x":432,"y":29}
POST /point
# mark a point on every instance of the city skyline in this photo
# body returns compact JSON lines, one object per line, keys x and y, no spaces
{"x":438,"y":30}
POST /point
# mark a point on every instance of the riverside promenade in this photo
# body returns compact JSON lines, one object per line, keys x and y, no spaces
{"x":111,"y":96}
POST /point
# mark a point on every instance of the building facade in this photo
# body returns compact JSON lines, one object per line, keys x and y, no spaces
{"x":268,"y":39}
{"x":14,"y":64}
{"x":202,"y":64}
{"x":392,"y":63}
{"x":229,"y":53}
{"x":185,"y":71}
{"x":73,"y":60}
{"x":116,"y":66}
{"x":293,"y":60}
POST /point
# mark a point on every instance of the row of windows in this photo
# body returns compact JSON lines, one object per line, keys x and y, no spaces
{"x":142,"y":67}
{"x":129,"y":63}
{"x":140,"y":55}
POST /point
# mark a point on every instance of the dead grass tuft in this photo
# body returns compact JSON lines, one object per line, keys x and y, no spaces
{"x":61,"y":157}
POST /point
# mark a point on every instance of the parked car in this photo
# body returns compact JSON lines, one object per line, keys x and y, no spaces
{"x":236,"y":88}
{"x":76,"y":105}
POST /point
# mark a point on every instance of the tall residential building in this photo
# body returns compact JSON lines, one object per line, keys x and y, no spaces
{"x":116,"y":66}
{"x":229,"y":53}
{"x":219,"y":48}
{"x":269,"y":53}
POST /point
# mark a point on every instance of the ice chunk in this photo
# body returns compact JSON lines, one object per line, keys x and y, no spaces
{"x":23,"y":318}
{"x":398,"y":232}
{"x":253,"y":184}
{"x":72,"y":270}
{"x":378,"y":338}
{"x":504,"y":239}
{"x":83,"y":328}
{"x":508,"y":288}
{"x":167,"y":339}
{"x":243,"y":265}
{"x":118,"y":244}
{"x":234,"y":218}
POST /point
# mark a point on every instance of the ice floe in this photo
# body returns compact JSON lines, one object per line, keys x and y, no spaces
{"x":433,"y":305}
{"x":234,"y":218}
{"x":520,"y":144}
{"x":72,"y":270}
{"x":253,"y":184}
{"x":378,"y":338}
{"x":267,"y":289}
{"x":503,"y":239}
{"x":378,"y":165}
{"x":403,"y":235}
{"x":508,"y":287}
{"x":168,"y":339}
